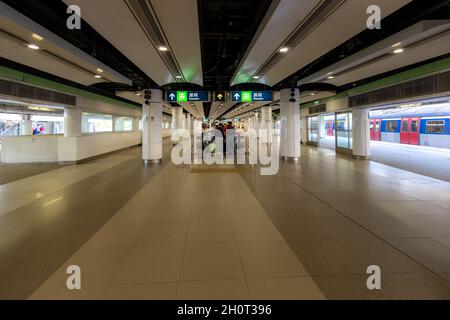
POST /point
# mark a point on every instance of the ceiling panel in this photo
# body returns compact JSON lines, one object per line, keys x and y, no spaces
{"x":285,"y":15}
{"x":117,"y":24}
{"x":347,"y":21}
{"x":179,"y":20}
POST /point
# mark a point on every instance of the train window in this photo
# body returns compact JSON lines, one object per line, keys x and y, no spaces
{"x":414,"y":126}
{"x":391,"y":126}
{"x":435,"y":126}
{"x":404,"y":126}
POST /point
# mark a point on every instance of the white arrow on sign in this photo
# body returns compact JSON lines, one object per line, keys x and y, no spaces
{"x":237,"y":96}
{"x":172,"y":96}
{"x":220,"y":96}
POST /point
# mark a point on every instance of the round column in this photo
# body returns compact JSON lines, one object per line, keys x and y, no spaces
{"x":27,"y":125}
{"x":361,"y":134}
{"x":152,"y":127}
{"x":290,"y":124}
{"x":266,"y":122}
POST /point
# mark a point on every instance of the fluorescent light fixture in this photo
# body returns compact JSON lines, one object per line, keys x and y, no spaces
{"x":163,"y":48}
{"x":97,"y":76}
{"x":284,"y":49}
{"x":396,"y":45}
{"x":255,"y":77}
{"x":33,"y":46}
{"x":400,"y":50}
{"x":138,"y":94}
{"x":99,"y":70}
{"x":179,"y":77}
{"x":330,"y":77}
{"x":37,"y":37}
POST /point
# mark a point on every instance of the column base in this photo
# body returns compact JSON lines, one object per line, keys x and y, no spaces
{"x":152,"y":162}
{"x":290,"y":159}
{"x":361,"y":157}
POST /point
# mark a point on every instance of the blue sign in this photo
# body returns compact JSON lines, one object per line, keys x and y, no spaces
{"x":251,"y":96}
{"x":187,"y":96}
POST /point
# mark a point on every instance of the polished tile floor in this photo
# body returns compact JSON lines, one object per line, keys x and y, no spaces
{"x":195,"y":232}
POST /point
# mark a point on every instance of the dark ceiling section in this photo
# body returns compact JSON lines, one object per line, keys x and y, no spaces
{"x":226,"y":29}
{"x":415,"y":11}
{"x":51,"y":14}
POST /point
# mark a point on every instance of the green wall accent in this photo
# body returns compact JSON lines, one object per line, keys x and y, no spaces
{"x":53,"y":85}
{"x":404,"y":76}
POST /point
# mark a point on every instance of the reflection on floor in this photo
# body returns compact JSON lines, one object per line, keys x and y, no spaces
{"x":428,"y":161}
{"x":169,"y":232}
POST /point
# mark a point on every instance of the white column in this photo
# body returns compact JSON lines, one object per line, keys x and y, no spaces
{"x":27,"y":125}
{"x":361,"y":133}
{"x":174,"y":118}
{"x":256,"y":122}
{"x":72,"y":122}
{"x":290,"y":124}
{"x":152,"y":128}
{"x":266,"y":122}
{"x":188,"y":123}
{"x":179,"y":118}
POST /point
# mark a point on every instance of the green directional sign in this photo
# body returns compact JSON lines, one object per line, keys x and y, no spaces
{"x":182,"y":96}
{"x":246,"y":96}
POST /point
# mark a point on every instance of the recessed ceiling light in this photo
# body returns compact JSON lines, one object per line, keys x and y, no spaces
{"x":179,"y":77}
{"x":255,"y":77}
{"x":99,"y":70}
{"x":97,"y":76}
{"x":400,"y":50}
{"x":138,"y":94}
{"x":331,"y":77}
{"x":313,"y":94}
{"x":37,"y":37}
{"x":284,"y":49}
{"x":162,"y":48}
{"x":33,"y":46}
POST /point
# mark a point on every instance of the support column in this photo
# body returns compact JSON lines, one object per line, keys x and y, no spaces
{"x":266,"y":122}
{"x":188,"y":123}
{"x":256,"y":122}
{"x":179,"y":118}
{"x":27,"y":125}
{"x":174,"y":118}
{"x":290,"y":124}
{"x":361,"y":134}
{"x":304,"y":129}
{"x":152,"y":127}
{"x":72,"y":122}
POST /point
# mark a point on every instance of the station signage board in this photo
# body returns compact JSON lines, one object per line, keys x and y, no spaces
{"x":187,"y":96}
{"x":251,"y":96}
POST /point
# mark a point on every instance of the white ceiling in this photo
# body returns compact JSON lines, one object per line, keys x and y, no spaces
{"x":56,"y":56}
{"x":198,"y":112}
{"x":215,"y":112}
{"x":354,"y":67}
{"x":117,"y":24}
{"x":347,"y":21}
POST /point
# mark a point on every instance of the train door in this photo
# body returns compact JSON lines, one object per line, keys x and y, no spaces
{"x":375,"y":129}
{"x":410,"y":131}
{"x":414,"y":131}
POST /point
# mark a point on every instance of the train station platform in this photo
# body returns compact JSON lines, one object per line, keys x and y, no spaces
{"x":194,"y":232}
{"x":427,"y":161}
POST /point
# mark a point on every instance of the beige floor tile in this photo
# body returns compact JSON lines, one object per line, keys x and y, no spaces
{"x":165,"y":233}
{"x":251,"y":211}
{"x":205,"y":212}
{"x":211,"y":262}
{"x":115,"y":235}
{"x":153,"y":264}
{"x":213,"y":290}
{"x":210,"y":232}
{"x":300,"y":288}
{"x":247,"y":230}
{"x":86,"y":293}
{"x":269,"y":259}
{"x":171,"y":213}
{"x":150,"y":291}
{"x":98,"y":267}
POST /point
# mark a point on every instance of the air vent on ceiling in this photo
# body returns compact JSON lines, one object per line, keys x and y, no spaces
{"x":24,"y":91}
{"x":308,"y":25}
{"x":415,"y":88}
{"x":147,"y":19}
